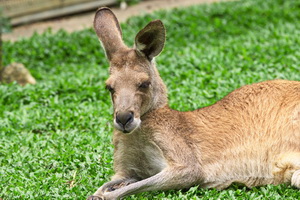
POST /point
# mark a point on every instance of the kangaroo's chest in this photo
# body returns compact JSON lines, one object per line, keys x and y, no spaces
{"x":142,"y":159}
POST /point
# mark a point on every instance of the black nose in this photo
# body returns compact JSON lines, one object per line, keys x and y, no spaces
{"x":124,"y":118}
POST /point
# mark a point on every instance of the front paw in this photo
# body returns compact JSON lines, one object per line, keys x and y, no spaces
{"x":115,"y":186}
{"x":93,"y":197}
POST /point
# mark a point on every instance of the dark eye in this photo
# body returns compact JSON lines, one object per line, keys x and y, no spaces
{"x":144,"y":84}
{"x":109,"y":88}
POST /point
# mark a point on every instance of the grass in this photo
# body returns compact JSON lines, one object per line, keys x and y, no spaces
{"x":55,"y":137}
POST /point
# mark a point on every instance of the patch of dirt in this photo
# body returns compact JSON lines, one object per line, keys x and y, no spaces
{"x":81,"y":21}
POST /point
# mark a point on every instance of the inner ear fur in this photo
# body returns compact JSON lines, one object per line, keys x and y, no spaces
{"x":151,"y":39}
{"x":109,"y":31}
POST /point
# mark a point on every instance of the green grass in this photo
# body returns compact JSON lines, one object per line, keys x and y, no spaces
{"x":55,"y":137}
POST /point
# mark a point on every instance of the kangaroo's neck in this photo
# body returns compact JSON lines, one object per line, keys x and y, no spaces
{"x":160,"y":93}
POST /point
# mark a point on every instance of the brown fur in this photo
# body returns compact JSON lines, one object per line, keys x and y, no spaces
{"x":251,"y":136}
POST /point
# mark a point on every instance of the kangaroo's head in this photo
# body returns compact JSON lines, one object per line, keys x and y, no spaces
{"x":134,"y":83}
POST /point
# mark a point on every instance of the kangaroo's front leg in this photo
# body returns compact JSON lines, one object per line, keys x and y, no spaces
{"x":170,"y":178}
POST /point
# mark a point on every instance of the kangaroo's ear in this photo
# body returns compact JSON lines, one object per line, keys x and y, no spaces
{"x":151,"y":39}
{"x":109,"y":31}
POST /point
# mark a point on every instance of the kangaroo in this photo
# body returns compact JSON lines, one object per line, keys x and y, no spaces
{"x":251,"y":136}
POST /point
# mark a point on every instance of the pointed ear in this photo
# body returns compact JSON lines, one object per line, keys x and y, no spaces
{"x":151,"y":39}
{"x":109,"y":31}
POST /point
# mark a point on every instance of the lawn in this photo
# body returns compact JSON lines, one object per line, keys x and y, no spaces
{"x":55,"y":137}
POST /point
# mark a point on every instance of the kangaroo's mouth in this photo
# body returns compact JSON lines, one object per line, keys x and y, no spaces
{"x":124,"y":131}
{"x":128,"y":127}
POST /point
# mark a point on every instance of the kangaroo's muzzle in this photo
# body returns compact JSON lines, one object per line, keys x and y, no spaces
{"x":125,"y":121}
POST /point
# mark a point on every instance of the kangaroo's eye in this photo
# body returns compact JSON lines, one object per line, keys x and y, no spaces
{"x":145,"y":84}
{"x":109,"y":88}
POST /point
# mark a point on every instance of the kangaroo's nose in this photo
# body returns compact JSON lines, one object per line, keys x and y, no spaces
{"x":124,"y":118}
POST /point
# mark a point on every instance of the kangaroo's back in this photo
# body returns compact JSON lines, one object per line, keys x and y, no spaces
{"x":268,"y":107}
{"x":266,"y":112}
{"x":263,"y":107}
